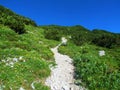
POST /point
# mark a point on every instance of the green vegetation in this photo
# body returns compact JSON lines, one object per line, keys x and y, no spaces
{"x":105,"y":39}
{"x":24,"y":58}
{"x":14,"y":21}
{"x":80,"y":35}
{"x":96,"y":72}
{"x":25,"y":53}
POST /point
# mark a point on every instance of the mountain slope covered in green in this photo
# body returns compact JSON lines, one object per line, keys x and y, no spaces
{"x":96,"y":72}
{"x":25,"y":53}
{"x":14,"y":21}
{"x":24,"y":57}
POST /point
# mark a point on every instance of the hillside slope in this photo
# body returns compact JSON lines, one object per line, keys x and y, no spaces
{"x":25,"y":54}
{"x":14,"y":21}
{"x":97,"y":72}
{"x":24,"y":58}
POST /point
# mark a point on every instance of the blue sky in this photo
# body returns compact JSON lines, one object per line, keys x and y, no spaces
{"x":92,"y":14}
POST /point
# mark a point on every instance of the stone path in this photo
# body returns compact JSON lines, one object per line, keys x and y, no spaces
{"x":62,"y":74}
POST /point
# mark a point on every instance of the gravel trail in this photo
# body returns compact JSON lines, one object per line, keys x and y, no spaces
{"x":62,"y":74}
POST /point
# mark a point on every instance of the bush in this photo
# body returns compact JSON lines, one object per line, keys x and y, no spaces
{"x":14,"y":21}
{"x":52,"y":34}
{"x":104,"y":38}
{"x":18,"y":27}
{"x":95,"y":74}
{"x":81,"y":37}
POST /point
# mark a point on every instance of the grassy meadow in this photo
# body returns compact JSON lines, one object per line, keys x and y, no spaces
{"x":24,"y":58}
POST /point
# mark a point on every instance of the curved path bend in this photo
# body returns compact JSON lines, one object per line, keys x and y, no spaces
{"x":62,"y":74}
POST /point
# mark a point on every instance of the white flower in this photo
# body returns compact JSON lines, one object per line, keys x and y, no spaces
{"x":7,"y":64}
{"x":11,"y":66}
{"x":23,"y":60}
{"x":20,"y":58}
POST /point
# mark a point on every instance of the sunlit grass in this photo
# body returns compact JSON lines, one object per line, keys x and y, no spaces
{"x":35,"y":54}
{"x":96,"y":72}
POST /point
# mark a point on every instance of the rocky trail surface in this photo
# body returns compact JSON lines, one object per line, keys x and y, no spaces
{"x":62,"y":74}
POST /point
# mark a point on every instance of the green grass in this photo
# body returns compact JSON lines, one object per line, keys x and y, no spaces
{"x":33,"y":53}
{"x":96,"y":72}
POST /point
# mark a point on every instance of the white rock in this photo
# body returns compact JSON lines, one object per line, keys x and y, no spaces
{"x":21,"y":88}
{"x":11,"y":63}
{"x":64,"y":41}
{"x":15,"y":59}
{"x":2,"y":87}
{"x":101,"y":53}
{"x":32,"y":86}
{"x":3,"y":61}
